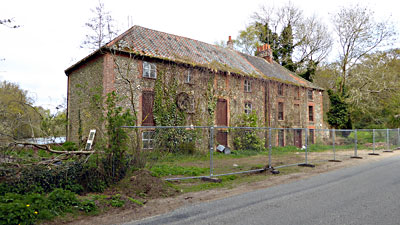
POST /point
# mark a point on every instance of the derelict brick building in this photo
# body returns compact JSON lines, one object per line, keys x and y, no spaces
{"x":215,"y":85}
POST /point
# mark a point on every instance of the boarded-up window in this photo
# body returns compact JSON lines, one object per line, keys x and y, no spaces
{"x":147,"y":108}
{"x":280,"y":111}
{"x":310,"y":113}
{"x":222,"y":112}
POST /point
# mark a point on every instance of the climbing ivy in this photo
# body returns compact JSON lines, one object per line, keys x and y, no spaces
{"x":211,"y":100}
{"x":167,"y":113}
{"x":248,"y":139}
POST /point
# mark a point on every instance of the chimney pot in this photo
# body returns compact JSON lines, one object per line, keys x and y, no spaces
{"x":229,"y":44}
{"x":265,"y":52}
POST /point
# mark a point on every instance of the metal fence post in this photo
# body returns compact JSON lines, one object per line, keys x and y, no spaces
{"x":211,"y":149}
{"x":306,"y":144}
{"x":373,"y":140}
{"x":398,"y":137}
{"x":333,"y":143}
{"x":355,"y":142}
{"x":270,"y":148}
{"x":387,"y":140}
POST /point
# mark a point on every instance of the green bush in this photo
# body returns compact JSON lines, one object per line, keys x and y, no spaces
{"x":248,"y":139}
{"x":116,"y":201}
{"x":29,"y":208}
{"x":62,"y":200}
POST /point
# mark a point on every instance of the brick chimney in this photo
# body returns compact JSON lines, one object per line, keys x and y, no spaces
{"x":265,"y":52}
{"x":229,"y":43}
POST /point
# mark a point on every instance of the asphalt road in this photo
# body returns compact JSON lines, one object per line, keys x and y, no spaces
{"x":365,"y":194}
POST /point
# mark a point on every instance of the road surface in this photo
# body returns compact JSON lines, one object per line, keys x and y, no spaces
{"x":364,"y":194}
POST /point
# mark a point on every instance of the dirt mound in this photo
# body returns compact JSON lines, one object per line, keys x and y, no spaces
{"x":145,"y":186}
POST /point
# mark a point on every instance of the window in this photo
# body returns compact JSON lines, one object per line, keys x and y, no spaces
{"x":280,"y":111}
{"x":189,"y":77}
{"x":310,"y":113}
{"x":296,"y":92}
{"x":281,"y":137}
{"x":280,"y":89}
{"x":310,"y":94}
{"x":149,"y":70}
{"x":247,"y":86}
{"x":147,"y":108}
{"x":247,"y":108}
{"x":311,"y":136}
{"x":148,"y":139}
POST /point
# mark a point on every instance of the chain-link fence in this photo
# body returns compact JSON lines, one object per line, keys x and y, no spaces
{"x":187,"y":152}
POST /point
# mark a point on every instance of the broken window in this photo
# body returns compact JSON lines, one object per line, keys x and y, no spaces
{"x":280,"y":111}
{"x":310,"y":113}
{"x":310,"y":94}
{"x":149,"y":70}
{"x":247,"y":108}
{"x":247,"y":85}
{"x":148,"y":139}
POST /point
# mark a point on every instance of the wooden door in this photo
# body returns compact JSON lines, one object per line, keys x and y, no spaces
{"x":147,"y":108}
{"x":297,"y":138}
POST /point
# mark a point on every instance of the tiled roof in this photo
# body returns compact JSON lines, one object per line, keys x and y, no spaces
{"x":162,"y":45}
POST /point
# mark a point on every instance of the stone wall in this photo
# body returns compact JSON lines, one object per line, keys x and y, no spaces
{"x":124,"y":75}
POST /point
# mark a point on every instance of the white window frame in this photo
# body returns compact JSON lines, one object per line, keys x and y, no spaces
{"x":189,"y":77}
{"x":148,"y":140}
{"x":247,"y":85}
{"x":248,"y":108}
{"x":149,"y":70}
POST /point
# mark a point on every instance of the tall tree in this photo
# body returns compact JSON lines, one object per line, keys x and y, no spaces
{"x":359,"y":33}
{"x":101,"y":26}
{"x":298,"y":43}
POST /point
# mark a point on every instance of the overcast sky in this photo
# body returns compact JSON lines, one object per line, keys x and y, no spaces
{"x":37,"y":53}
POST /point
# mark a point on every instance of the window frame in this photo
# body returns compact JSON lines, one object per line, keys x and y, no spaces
{"x":148,"y":141}
{"x":281,"y":90}
{"x":248,"y":110}
{"x":247,"y":85}
{"x":310,"y":94}
{"x":281,"y":111}
{"x":281,"y":137}
{"x":311,"y":113}
{"x":189,"y":77}
{"x":149,"y":70}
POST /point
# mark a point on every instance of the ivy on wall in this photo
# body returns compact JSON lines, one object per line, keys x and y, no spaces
{"x":167,"y":113}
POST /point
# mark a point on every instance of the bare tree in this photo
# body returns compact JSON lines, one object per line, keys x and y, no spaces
{"x":358,"y":34}
{"x":102,"y":28}
{"x":8,"y":23}
{"x":305,"y":40}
